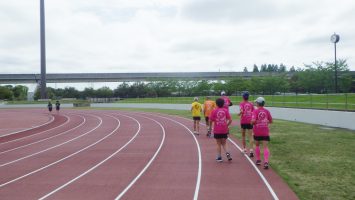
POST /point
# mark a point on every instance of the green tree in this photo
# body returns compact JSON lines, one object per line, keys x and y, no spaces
{"x":255,"y":69}
{"x":6,"y":93}
{"x":20,"y":92}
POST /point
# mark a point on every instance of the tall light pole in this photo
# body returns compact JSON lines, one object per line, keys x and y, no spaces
{"x":43,"y":51}
{"x":335,"y":39}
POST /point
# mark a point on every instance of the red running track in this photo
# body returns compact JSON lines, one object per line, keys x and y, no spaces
{"x":126,"y":155}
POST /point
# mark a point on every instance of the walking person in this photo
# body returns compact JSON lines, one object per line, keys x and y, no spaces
{"x":196,"y":110}
{"x":246,"y":111}
{"x":57,"y":106}
{"x":50,"y":106}
{"x":227,"y":101}
{"x":221,"y":120}
{"x":261,"y":119}
{"x":208,"y":106}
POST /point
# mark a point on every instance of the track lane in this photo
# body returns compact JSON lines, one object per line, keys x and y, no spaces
{"x":25,"y":143}
{"x":174,"y":173}
{"x":118,"y":169}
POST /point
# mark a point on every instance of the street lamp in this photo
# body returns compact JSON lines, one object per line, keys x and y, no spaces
{"x":335,"y":39}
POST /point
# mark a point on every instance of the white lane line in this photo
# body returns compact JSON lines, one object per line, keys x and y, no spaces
{"x":257,"y":170}
{"x":66,"y":122}
{"x":271,"y":190}
{"x":97,"y":165}
{"x":149,"y":163}
{"x":198,"y":181}
{"x":50,"y":121}
{"x":55,"y":146}
{"x":65,"y":132}
{"x":58,"y":161}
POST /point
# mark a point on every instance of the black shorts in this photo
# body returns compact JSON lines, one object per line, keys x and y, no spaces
{"x":206,"y":119}
{"x":220,"y":136}
{"x":196,"y":118}
{"x":57,"y":108}
{"x":246,"y":126}
{"x":262,"y":138}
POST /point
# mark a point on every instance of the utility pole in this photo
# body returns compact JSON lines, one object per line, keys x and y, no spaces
{"x":43,"y":51}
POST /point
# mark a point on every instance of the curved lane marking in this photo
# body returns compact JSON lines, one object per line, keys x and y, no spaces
{"x":50,"y":121}
{"x":148,"y":164}
{"x":97,"y":165}
{"x":26,"y":145}
{"x":55,"y":146}
{"x":58,"y":161}
{"x":66,"y":122}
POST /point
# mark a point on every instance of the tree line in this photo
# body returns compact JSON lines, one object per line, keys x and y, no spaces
{"x":315,"y":78}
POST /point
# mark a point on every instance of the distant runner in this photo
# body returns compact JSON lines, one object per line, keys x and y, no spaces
{"x":246,"y":111}
{"x":50,"y":106}
{"x":208,"y":106}
{"x":196,"y":109}
{"x":57,"y":106}
{"x":221,"y":120}
{"x":261,"y":119}
{"x":227,"y":101}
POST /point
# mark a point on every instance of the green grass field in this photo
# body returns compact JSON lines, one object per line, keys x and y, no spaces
{"x":317,"y":162}
{"x":336,"y":102}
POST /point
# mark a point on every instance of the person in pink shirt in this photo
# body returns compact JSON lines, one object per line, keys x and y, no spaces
{"x":261,"y":119}
{"x":221,"y":120}
{"x":227,"y":101}
{"x":246,"y":110}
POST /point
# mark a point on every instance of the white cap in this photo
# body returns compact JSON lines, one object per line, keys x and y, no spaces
{"x":196,"y":99}
{"x":223,"y":93}
{"x":260,"y":100}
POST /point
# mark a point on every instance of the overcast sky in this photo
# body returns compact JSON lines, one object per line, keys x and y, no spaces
{"x":173,"y":35}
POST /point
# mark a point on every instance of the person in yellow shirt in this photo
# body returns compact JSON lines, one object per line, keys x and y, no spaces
{"x":208,"y":106}
{"x":196,"y":110}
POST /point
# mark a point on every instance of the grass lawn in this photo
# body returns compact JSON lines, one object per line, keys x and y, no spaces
{"x":316,"y":162}
{"x":331,"y":101}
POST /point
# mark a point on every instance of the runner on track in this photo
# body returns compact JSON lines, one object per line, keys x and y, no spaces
{"x":221,"y":119}
{"x":261,"y":119}
{"x":208,"y":106}
{"x":196,"y":109}
{"x":50,"y":106}
{"x":246,"y":110}
{"x":227,"y":101}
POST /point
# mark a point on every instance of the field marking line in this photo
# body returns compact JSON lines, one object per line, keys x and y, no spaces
{"x":148,"y":164}
{"x":50,"y":121}
{"x":26,"y":145}
{"x":97,"y":165}
{"x":55,"y":146}
{"x":62,"y":159}
{"x":67,"y":121}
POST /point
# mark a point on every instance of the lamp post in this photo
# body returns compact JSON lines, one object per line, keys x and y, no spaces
{"x":335,"y":39}
{"x":43,"y":51}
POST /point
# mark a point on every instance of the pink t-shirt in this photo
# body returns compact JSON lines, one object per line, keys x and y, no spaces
{"x":262,"y":118}
{"x":227,"y":102}
{"x":220,"y":116}
{"x":247,"y":109}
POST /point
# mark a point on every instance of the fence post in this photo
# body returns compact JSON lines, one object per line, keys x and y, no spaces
{"x":327,"y":101}
{"x":311,"y":100}
{"x":297,"y":101}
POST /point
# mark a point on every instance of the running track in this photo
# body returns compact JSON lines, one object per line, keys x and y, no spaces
{"x":91,"y":154}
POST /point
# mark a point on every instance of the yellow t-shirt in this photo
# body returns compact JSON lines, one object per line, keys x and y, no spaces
{"x":196,"y":109}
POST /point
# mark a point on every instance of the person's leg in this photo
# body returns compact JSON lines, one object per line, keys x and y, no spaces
{"x":243,"y":139}
{"x":257,"y":152}
{"x":218,"y":142}
{"x":251,"y":140}
{"x":194,"y":125}
{"x":224,"y":145}
{"x":198,"y":126}
{"x":266,"y":151}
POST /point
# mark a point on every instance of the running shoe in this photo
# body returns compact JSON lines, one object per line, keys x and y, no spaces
{"x":219,"y":159}
{"x":251,"y":154}
{"x":258,"y":162}
{"x":229,"y":156}
{"x":244,"y":150}
{"x":266,"y":165}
